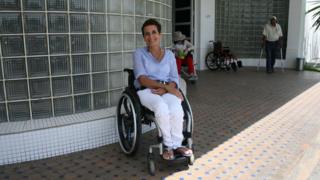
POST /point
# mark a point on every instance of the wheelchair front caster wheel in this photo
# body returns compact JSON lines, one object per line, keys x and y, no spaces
{"x":151,"y":167}
{"x":191,"y":160}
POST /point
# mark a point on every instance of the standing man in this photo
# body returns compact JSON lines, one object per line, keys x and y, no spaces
{"x":272,"y":37}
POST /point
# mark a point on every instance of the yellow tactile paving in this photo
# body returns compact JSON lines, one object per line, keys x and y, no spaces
{"x":270,"y":148}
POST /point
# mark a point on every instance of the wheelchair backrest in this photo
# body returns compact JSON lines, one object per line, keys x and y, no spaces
{"x":130,"y":77}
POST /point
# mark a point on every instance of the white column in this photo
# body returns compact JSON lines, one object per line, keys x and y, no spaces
{"x":204,"y":29}
{"x":295,"y":31}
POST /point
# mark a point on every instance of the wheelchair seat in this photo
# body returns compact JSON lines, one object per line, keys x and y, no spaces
{"x":130,"y":115}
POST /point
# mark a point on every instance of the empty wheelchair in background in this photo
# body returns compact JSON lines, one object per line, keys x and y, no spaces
{"x":131,"y":115}
{"x":221,"y":58}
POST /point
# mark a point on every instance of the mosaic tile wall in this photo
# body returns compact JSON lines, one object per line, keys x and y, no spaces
{"x":61,"y":57}
{"x":239,"y":24}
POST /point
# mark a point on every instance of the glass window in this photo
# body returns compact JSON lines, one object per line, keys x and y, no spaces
{"x":41,"y":109}
{"x":12,"y":46}
{"x":78,"y":5}
{"x":150,"y":8}
{"x":59,"y":44}
{"x":63,"y":106}
{"x":115,"y":42}
{"x":10,"y":5}
{"x":39,"y":88}
{"x":38,"y":66}
{"x":19,"y":111}
{"x":81,"y":84}
{"x":98,"y":6}
{"x":128,"y":6}
{"x":10,"y":23}
{"x":79,"y":43}
{"x":79,"y":22}
{"x":60,"y":65}
{"x":65,"y":55}
{"x":114,"y":23}
{"x":57,"y":5}
{"x":99,"y":43}
{"x":128,"y":42}
{"x":115,"y":60}
{"x":36,"y":45}
{"x":128,"y":24}
{"x":17,"y":90}
{"x":127,"y":58}
{"x":116,"y":80}
{"x":57,"y":22}
{"x":157,"y":10}
{"x":82,"y":103}
{"x":114,"y":97}
{"x":2,"y":98}
{"x":3,"y":113}
{"x":80,"y":64}
{"x":114,"y":6}
{"x":35,"y":23}
{"x":100,"y":100}
{"x":1,"y":70}
{"x":97,"y":23}
{"x":99,"y":62}
{"x":61,"y":86}
{"x":100,"y":81}
{"x":33,"y":4}
{"x":14,"y":68}
{"x":139,"y":23}
{"x":140,"y":7}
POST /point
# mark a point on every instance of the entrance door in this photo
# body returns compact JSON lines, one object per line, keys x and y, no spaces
{"x":183,"y":17}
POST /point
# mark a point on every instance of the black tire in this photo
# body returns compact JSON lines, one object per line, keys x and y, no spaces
{"x":191,"y":160}
{"x":212,"y":61}
{"x":234,"y":66}
{"x":129,"y":122}
{"x":188,"y":122}
{"x":151,"y":165}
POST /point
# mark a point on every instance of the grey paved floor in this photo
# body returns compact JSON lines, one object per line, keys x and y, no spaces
{"x":224,"y":105}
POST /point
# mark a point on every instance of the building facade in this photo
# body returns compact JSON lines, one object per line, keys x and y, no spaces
{"x":62,"y":61}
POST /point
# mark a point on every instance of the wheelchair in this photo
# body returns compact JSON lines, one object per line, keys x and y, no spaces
{"x":130,"y":115}
{"x":221,"y":58}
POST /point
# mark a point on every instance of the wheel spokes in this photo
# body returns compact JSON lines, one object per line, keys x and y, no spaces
{"x":127,"y":124}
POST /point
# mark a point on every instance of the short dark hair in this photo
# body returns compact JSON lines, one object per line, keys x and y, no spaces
{"x":151,"y":22}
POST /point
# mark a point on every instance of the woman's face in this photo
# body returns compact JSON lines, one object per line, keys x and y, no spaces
{"x":151,"y":36}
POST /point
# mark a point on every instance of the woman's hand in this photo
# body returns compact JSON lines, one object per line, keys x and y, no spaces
{"x":159,"y":91}
{"x":174,"y":91}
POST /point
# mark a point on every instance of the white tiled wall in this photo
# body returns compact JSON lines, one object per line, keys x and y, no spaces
{"x":44,"y":143}
{"x":50,"y":142}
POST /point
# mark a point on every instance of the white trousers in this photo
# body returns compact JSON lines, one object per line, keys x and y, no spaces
{"x":168,"y":114}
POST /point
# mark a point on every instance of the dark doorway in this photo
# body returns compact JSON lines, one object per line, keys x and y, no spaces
{"x":183,"y":17}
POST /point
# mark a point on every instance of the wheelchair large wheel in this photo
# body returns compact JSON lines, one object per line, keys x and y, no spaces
{"x":212,"y":61}
{"x":129,"y":122}
{"x":188,"y":123}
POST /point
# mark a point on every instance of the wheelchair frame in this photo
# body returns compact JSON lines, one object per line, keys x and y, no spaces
{"x":185,"y":73}
{"x":220,"y":58}
{"x":130,"y":115}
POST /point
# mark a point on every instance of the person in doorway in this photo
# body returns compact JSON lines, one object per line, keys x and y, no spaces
{"x":182,"y":49}
{"x":157,"y":79}
{"x":271,"y":39}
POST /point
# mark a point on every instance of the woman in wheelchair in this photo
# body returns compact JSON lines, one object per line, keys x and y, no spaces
{"x":157,"y":79}
{"x":182,"y":49}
